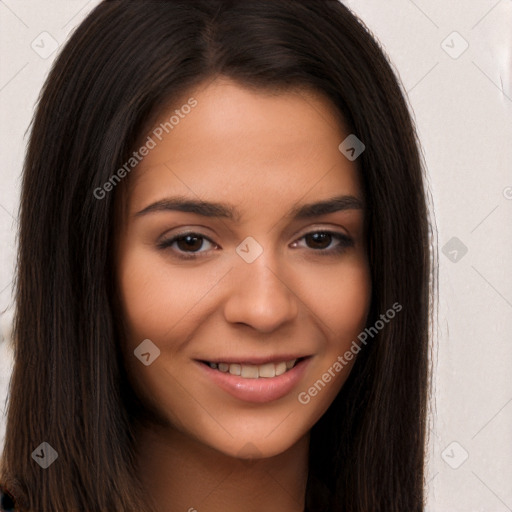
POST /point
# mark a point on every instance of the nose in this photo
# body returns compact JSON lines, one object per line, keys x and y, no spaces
{"x":260,"y":296}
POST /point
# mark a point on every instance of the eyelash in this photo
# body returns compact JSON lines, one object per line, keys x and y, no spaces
{"x":344,"y":243}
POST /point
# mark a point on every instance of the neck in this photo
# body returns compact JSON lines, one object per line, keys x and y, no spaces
{"x":182,"y":474}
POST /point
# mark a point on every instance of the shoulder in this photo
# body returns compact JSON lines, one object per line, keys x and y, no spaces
{"x":7,"y":503}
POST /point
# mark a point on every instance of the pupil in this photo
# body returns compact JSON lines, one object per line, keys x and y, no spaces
{"x":319,"y":237}
{"x":191,"y":242}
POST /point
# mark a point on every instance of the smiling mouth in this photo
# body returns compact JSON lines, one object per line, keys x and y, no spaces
{"x":250,"y":371}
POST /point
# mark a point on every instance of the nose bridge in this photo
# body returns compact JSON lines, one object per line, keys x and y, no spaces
{"x":259,"y":294}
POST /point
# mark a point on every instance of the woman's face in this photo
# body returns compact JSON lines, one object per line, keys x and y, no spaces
{"x":246,"y":273}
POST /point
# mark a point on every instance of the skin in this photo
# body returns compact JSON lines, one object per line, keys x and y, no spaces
{"x":265,"y":154}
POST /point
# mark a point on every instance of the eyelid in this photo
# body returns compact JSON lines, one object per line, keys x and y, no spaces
{"x":344,"y":242}
{"x":324,"y":228}
{"x":198,"y":230}
{"x":168,"y":241}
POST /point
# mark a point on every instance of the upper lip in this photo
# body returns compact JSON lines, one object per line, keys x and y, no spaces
{"x":256,"y":360}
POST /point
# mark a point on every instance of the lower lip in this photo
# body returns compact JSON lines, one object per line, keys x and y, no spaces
{"x":259,"y":390}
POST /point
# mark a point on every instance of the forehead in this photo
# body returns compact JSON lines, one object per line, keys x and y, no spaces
{"x":243,"y":146}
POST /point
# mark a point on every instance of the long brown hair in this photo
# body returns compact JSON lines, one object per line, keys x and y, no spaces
{"x":68,"y":387}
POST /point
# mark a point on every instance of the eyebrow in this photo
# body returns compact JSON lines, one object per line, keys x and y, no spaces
{"x":223,"y":210}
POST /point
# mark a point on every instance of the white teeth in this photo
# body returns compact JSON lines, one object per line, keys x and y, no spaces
{"x":249,"y":371}
{"x":267,"y":370}
{"x":235,"y":369}
{"x":280,"y":368}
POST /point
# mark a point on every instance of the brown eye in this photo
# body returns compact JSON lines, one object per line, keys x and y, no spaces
{"x":189,"y":243}
{"x":186,"y":245}
{"x":321,"y":241}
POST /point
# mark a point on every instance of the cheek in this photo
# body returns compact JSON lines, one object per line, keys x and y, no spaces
{"x":353,"y":303}
{"x":341,"y":299}
{"x":143,"y":300}
{"x":155,"y":297}
{"x":342,"y":306}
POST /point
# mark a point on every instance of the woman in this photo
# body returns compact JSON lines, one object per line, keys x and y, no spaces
{"x":224,"y":276}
